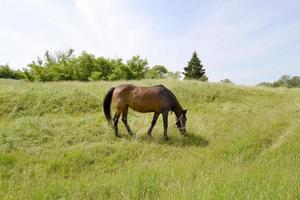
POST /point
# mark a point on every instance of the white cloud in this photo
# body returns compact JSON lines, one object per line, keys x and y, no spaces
{"x":117,"y":30}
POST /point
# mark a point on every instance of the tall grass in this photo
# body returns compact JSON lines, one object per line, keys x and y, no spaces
{"x":243,"y":143}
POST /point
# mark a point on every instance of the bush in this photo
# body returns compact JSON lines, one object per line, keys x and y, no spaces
{"x":157,"y":72}
{"x":226,"y":80}
{"x":265,"y":84}
{"x":7,"y":72}
{"x":95,"y":76}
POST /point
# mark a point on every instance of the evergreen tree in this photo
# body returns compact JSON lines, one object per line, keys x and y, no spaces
{"x":195,"y":69}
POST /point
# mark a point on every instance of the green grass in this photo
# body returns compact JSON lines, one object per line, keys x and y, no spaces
{"x":243,"y":143}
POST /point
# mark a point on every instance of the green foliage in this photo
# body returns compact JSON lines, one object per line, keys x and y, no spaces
{"x":105,"y":67}
{"x":156,"y":72}
{"x":84,"y":66}
{"x":162,"y":70}
{"x":120,"y":71}
{"x":284,"y":81}
{"x":96,"y":76}
{"x":53,"y":67}
{"x":138,"y":67}
{"x":265,"y":84}
{"x":7,"y":72}
{"x":64,"y":65}
{"x":294,"y":82}
{"x":174,"y":75}
{"x":195,"y":69}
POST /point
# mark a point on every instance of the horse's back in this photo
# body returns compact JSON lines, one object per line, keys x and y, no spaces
{"x":142,"y":99}
{"x":138,"y":90}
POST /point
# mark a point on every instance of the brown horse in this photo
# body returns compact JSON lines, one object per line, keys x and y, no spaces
{"x":157,"y":99}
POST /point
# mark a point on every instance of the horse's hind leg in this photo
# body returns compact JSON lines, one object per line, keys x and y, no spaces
{"x":116,"y":120}
{"x":124,"y":120}
{"x":155,"y":116}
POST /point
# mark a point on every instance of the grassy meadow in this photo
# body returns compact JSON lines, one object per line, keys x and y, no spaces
{"x":243,"y":143}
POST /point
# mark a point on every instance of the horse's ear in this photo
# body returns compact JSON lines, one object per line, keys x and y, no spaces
{"x":184,"y":111}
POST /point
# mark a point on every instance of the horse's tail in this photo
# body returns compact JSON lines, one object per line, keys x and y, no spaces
{"x":106,"y":105}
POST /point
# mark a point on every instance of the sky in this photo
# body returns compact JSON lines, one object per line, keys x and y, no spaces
{"x":247,"y":42}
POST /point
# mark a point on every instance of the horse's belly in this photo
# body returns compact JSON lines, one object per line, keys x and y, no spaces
{"x":146,"y":105}
{"x":146,"y":102}
{"x":143,"y":109}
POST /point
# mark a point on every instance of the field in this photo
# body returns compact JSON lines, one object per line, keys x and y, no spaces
{"x":243,"y":143}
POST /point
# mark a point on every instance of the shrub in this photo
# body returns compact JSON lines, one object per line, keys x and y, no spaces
{"x":95,"y":76}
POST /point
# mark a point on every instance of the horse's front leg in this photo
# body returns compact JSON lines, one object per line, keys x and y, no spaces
{"x":155,"y":117}
{"x":165,"y":119}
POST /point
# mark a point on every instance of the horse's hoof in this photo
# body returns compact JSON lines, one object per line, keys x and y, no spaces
{"x":131,"y":134}
{"x":149,"y":136}
{"x":166,"y":138}
{"x":118,"y":136}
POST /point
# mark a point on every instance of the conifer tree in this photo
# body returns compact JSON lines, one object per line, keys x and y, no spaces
{"x":195,"y":69}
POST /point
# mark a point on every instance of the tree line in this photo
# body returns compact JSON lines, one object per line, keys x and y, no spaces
{"x":64,"y":66}
{"x":284,"y":81}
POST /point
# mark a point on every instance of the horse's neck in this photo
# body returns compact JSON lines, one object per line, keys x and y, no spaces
{"x":176,"y":106}
{"x":177,"y":110}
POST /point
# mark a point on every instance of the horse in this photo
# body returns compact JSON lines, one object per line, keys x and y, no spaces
{"x":157,"y":99}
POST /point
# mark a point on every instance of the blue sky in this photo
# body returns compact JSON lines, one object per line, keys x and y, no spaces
{"x":245,"y":41}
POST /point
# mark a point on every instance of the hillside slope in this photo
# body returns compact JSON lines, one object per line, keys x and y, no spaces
{"x":243,"y":143}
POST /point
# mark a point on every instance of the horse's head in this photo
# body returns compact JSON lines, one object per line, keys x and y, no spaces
{"x":181,"y":121}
